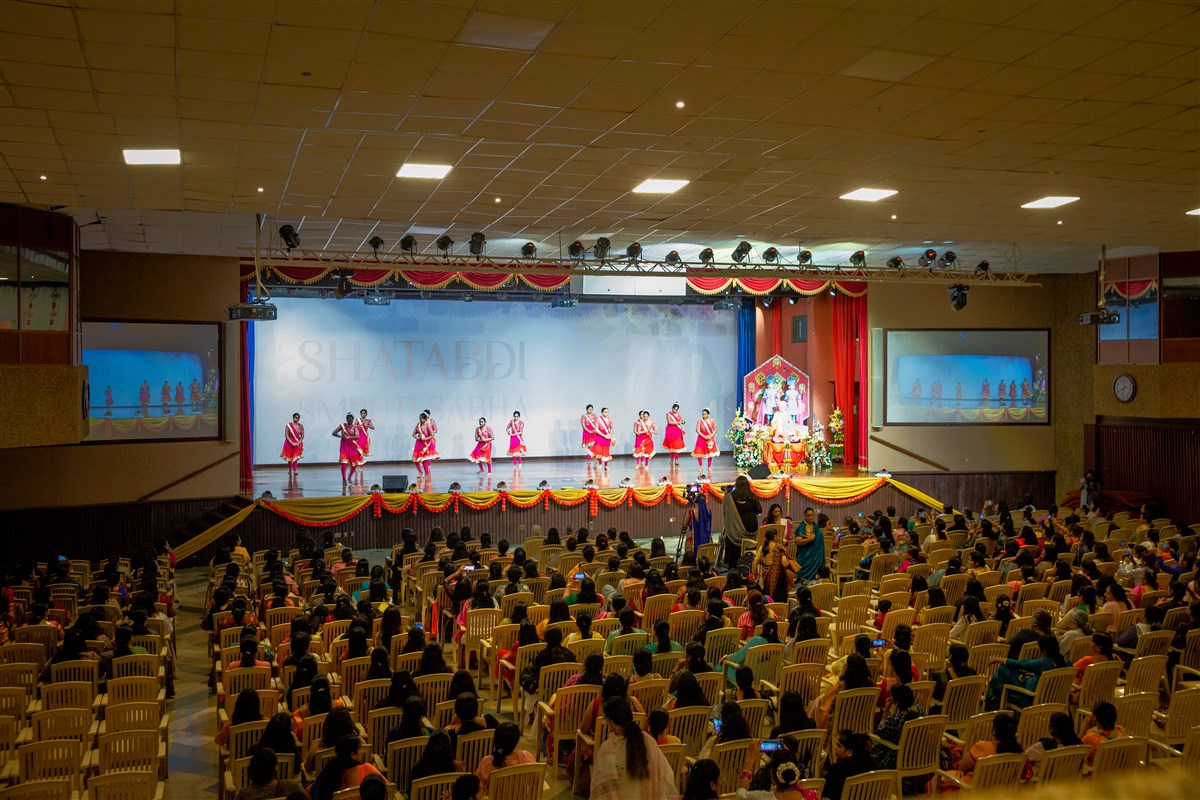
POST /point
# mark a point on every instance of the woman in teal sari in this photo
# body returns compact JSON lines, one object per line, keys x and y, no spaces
{"x":810,"y":547}
{"x":769,"y":635}
{"x":1024,"y":674}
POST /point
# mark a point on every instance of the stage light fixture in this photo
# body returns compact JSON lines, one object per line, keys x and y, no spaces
{"x":895,"y":262}
{"x":948,"y":258}
{"x":958,"y":296}
{"x":804,"y":256}
{"x":983,"y":268}
{"x":706,"y":256}
{"x":575,"y":249}
{"x":600,"y":251}
{"x":858,"y":259}
{"x":478,"y":240}
{"x":928,"y":258}
{"x":468,"y":298}
{"x":529,"y":250}
{"x":456,"y":488}
{"x":564,"y":302}
{"x":767,"y":302}
{"x":741,"y":251}
{"x":444,"y":243}
{"x":343,"y":288}
{"x":770,"y":255}
{"x":291,"y":239}
{"x":634,"y":251}
{"x":377,"y":299}
{"x":727,"y":304}
{"x":408,"y":244}
{"x":672,"y":257}
{"x":376,"y":245}
{"x":791,"y":301}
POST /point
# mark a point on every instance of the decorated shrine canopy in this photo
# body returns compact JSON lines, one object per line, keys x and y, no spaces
{"x":324,"y":512}
{"x":546,"y":277}
{"x":779,"y":370}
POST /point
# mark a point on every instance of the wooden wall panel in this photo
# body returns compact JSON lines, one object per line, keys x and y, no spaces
{"x":1162,"y":460}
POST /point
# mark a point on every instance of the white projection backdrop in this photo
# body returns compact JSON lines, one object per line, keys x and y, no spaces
{"x":325,"y":358}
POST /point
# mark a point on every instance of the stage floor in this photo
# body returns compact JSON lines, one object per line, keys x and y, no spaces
{"x":325,"y":480}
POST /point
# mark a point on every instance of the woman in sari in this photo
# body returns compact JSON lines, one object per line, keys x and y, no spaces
{"x":810,"y":547}
{"x":516,"y":438}
{"x":706,"y":441}
{"x":425,"y":450}
{"x":482,"y":454}
{"x":643,"y":439}
{"x":349,"y":452}
{"x":673,"y":440}
{"x":293,"y":443}
{"x":629,"y":764}
{"x":602,"y":438}
{"x":774,"y":566}
{"x":741,"y":510}
{"x":588,"y":423}
{"x":364,"y":438}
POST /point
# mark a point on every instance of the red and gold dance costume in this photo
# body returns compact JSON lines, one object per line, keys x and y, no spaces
{"x":425,"y":449}
{"x":482,"y":454}
{"x":601,"y":448}
{"x":516,"y":440}
{"x":350,"y":454}
{"x":166,"y":398}
{"x":364,"y":438}
{"x":784,"y":452}
{"x":673,"y":437}
{"x":643,"y":441}
{"x":293,"y":445}
{"x":706,"y":441}
{"x":588,"y":423}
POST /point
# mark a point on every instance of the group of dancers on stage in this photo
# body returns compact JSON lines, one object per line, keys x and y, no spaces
{"x":355,"y":441}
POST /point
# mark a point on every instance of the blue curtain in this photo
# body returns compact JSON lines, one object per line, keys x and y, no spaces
{"x":745,"y":346}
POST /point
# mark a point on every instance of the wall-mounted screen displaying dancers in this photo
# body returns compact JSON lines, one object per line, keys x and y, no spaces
{"x":153,"y":380}
{"x":471,"y":365}
{"x":977,"y":377}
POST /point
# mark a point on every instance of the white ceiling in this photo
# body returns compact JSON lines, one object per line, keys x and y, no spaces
{"x":558,"y":108}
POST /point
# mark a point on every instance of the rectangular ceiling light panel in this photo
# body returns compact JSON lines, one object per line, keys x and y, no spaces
{"x":659,"y":186}
{"x":423,"y":171}
{"x":1050,"y":202}
{"x":869,"y":195}
{"x":141,"y":157}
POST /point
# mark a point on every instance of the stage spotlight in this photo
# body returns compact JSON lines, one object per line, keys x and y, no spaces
{"x":408,"y":244}
{"x":741,"y":251}
{"x":575,"y":249}
{"x":377,"y":244}
{"x":706,"y":255}
{"x":343,"y":288}
{"x":727,"y":304}
{"x":444,"y":243}
{"x":858,"y":259}
{"x":895,"y":262}
{"x":928,"y":258}
{"x":468,"y":298}
{"x":804,"y":256}
{"x":983,"y":268}
{"x":478,"y":240}
{"x":291,"y":239}
{"x":529,"y":250}
{"x":791,"y":301}
{"x":767,"y":302}
{"x":672,"y":257}
{"x":948,"y":258}
{"x":958,"y":296}
{"x":770,"y":255}
{"x":634,"y":251}
{"x":600,"y":251}
{"x":544,"y":485}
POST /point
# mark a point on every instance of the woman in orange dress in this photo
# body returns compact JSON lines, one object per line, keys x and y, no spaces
{"x":602,"y":439}
{"x":293,"y":443}
{"x":673,"y":437}
{"x":706,"y":441}
{"x":482,"y":454}
{"x":643,"y":439}
{"x":425,"y":449}
{"x":516,"y":438}
{"x":364,"y":437}
{"x":349,"y":453}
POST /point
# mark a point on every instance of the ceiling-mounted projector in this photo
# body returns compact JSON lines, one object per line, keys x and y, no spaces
{"x":1101,"y":317}
{"x":258,"y":311}
{"x":564,"y":302}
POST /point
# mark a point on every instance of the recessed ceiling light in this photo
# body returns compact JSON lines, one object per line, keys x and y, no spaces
{"x":948,"y":241}
{"x":1060,"y":222}
{"x":1050,"y":202}
{"x":1195,"y":212}
{"x":893,"y":216}
{"x":260,"y":188}
{"x":870,"y":195}
{"x":151,"y":156}
{"x":680,"y":104}
{"x":423,"y":171}
{"x":927,"y":241}
{"x":497,"y":199}
{"x":659,"y":186}
{"x":42,"y":177}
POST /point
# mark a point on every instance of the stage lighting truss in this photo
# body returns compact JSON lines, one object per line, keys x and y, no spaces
{"x":599,"y":260}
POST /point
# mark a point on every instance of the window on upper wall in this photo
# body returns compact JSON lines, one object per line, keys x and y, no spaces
{"x":45,"y":285}
{"x":1137,"y":303}
{"x":10,"y":298}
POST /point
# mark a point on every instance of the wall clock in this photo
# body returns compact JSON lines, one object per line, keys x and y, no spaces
{"x":1125,"y":388}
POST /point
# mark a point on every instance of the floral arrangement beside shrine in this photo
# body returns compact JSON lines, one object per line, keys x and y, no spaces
{"x":837,"y":430}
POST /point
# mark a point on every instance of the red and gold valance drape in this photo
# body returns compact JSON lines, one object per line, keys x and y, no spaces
{"x":1132,"y":290}
{"x":489,"y":281}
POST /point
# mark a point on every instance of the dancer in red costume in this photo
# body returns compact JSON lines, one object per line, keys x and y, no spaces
{"x":482,"y":454}
{"x":516,"y":438}
{"x":179,"y":398}
{"x":425,"y":450}
{"x":144,"y":398}
{"x":706,"y":441}
{"x":602,"y":439}
{"x":643,"y":439}
{"x":349,"y":453}
{"x":166,"y":397}
{"x":364,"y":437}
{"x":196,"y":397}
{"x":293,"y":444}
{"x":588,"y":423}
{"x":673,"y":436}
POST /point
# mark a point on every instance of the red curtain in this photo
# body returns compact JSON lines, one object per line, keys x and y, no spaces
{"x":860,"y":314}
{"x":849,"y":364}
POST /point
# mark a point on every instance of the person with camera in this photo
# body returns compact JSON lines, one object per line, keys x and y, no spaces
{"x":742,"y":510}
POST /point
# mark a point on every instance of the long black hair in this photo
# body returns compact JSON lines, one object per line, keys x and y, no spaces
{"x":583,"y":621}
{"x":330,"y":778}
{"x":620,"y":717}
{"x":662,"y":632}
{"x":504,"y":742}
